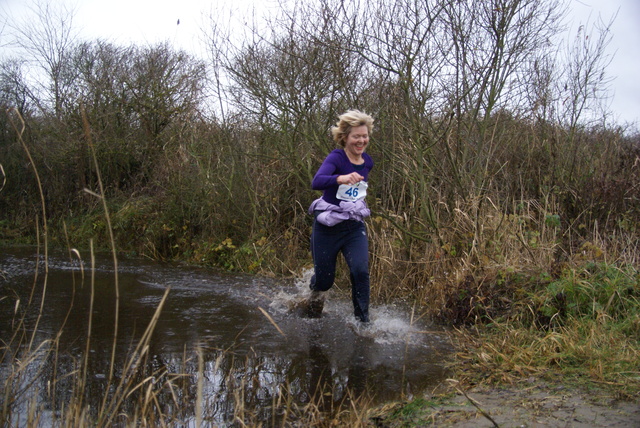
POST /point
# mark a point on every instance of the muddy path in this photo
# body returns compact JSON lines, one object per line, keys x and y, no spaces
{"x":529,"y":404}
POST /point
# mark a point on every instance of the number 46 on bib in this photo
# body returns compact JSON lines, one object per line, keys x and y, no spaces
{"x":352,"y":192}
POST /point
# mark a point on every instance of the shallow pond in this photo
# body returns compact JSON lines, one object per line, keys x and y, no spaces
{"x":217,"y":334}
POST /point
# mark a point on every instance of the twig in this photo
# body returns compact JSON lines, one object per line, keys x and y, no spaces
{"x":472,"y":401}
{"x":266,"y":314}
{"x":4,"y":177}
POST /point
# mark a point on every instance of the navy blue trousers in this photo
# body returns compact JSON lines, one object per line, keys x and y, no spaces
{"x":350,"y":238}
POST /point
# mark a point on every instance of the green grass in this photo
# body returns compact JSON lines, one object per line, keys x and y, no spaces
{"x":583,"y":326}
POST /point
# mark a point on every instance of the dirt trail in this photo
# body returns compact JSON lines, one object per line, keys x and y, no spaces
{"x":536,"y":406}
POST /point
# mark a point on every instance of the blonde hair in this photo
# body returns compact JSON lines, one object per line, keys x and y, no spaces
{"x":347,"y":121}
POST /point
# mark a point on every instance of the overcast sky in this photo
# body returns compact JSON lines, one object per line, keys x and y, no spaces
{"x":149,"y":21}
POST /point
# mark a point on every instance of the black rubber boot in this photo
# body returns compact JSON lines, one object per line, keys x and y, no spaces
{"x":314,"y":305}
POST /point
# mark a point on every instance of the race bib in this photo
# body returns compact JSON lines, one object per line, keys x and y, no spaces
{"x":352,"y":192}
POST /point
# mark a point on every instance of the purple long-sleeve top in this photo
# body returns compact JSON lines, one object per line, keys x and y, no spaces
{"x":337,"y":163}
{"x":326,"y":179}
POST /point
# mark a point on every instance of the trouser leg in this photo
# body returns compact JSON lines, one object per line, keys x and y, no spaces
{"x":356,"y":253}
{"x":324,"y":250}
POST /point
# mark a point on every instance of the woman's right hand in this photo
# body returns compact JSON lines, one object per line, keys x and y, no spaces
{"x":350,"y":179}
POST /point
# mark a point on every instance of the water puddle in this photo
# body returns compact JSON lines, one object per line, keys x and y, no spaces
{"x":238,"y":331}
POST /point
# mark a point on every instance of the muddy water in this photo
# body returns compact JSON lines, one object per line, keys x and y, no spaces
{"x":219,"y":314}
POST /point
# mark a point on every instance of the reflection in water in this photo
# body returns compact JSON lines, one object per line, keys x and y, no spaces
{"x":212,"y":333}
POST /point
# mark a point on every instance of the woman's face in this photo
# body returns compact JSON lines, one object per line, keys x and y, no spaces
{"x":357,"y":141}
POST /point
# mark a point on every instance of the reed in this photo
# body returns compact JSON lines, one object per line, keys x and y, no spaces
{"x":145,"y":394}
{"x":140,"y":394}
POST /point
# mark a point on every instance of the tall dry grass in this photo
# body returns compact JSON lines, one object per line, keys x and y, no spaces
{"x":213,"y":390}
{"x":137,"y":392}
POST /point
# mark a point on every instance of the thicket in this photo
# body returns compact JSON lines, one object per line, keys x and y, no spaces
{"x":497,"y":170}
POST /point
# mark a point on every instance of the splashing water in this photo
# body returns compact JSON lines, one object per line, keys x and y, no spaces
{"x":389,"y":324}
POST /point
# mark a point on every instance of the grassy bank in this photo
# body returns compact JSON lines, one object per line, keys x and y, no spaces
{"x":575,"y":335}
